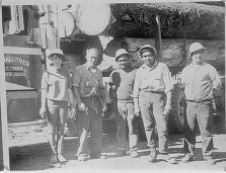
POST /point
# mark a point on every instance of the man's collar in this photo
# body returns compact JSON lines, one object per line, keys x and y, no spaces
{"x":129,"y":68}
{"x":203,"y":63}
{"x":89,"y":68}
{"x":155,"y":65}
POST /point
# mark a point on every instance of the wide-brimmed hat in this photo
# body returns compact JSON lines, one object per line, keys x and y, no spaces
{"x":120,"y":52}
{"x":195,"y":47}
{"x":149,"y":47}
{"x":50,"y":52}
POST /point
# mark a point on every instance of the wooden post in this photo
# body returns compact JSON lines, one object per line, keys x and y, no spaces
{"x":4,"y":121}
{"x":224,"y":79}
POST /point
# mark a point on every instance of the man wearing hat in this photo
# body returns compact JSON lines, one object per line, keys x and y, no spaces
{"x":121,"y":83}
{"x":89,"y":92}
{"x":152,"y":85}
{"x":55,"y":94}
{"x":200,"y":81}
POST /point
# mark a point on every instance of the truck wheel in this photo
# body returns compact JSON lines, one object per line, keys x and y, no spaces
{"x":177,"y":115}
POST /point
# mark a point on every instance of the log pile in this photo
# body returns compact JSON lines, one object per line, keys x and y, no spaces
{"x":197,"y":21}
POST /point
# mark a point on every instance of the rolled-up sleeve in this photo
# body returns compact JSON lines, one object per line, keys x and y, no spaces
{"x":167,"y":79}
{"x":76,"y":77}
{"x":215,"y":78}
{"x":44,"y":83}
{"x":137,"y":82}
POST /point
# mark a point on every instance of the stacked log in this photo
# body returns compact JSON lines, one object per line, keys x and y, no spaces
{"x":196,"y":21}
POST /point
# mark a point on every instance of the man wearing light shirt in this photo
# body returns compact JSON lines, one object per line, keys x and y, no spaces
{"x":152,"y":85}
{"x":200,"y":81}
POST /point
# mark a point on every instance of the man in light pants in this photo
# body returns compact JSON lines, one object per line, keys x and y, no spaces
{"x":121,"y":83}
{"x":200,"y":81}
{"x":152,"y":84}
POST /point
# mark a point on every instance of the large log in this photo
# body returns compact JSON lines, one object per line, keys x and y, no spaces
{"x":197,"y":21}
{"x":173,"y":52}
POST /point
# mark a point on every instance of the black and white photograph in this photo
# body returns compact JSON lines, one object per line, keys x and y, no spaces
{"x":112,"y":85}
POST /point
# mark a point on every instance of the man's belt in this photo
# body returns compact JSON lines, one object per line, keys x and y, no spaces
{"x":90,"y":96}
{"x":151,"y":91}
{"x":199,"y":101}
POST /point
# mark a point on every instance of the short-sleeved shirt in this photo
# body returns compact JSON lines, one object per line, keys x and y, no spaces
{"x":123,"y":82}
{"x":56,"y":84}
{"x":89,"y":83}
{"x":199,"y":81}
{"x":157,"y":78}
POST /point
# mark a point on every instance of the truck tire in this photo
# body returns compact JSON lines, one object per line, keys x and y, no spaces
{"x":177,"y":115}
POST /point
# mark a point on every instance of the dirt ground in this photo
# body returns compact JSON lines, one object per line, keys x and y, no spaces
{"x":29,"y":150}
{"x":40,"y":160}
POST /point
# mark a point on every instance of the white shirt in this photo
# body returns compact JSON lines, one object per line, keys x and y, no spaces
{"x":199,"y":81}
{"x":157,"y":78}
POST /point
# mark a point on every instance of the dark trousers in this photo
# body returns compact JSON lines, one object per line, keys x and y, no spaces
{"x":57,"y":112}
{"x":124,"y":115}
{"x":203,"y":114}
{"x":90,"y":122}
{"x":152,"y":107}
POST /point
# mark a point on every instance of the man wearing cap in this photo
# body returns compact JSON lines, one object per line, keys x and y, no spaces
{"x":89,"y":91}
{"x":152,"y":84}
{"x":200,"y":81}
{"x":121,"y":83}
{"x":55,"y":94}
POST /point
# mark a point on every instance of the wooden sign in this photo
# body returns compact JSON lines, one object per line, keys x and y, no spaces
{"x":17,"y":69}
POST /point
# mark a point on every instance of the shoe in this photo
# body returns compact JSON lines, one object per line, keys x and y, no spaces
{"x":187,"y":158}
{"x":134,"y":154}
{"x":167,"y":158}
{"x":121,"y":153}
{"x":61,"y":158}
{"x":210,"y":161}
{"x":82,"y":158}
{"x":152,"y":156}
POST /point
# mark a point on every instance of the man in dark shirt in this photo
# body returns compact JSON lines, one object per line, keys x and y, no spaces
{"x":89,"y":92}
{"x":121,"y":89}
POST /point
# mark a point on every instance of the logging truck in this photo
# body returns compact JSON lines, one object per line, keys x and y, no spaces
{"x":170,"y":27}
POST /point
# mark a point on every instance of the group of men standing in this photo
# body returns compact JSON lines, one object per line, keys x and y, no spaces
{"x":145,"y":91}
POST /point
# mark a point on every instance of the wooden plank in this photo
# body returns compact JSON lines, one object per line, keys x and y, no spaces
{"x":4,"y":121}
{"x":22,"y":51}
{"x":47,"y":2}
